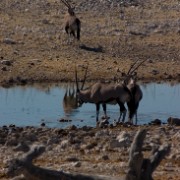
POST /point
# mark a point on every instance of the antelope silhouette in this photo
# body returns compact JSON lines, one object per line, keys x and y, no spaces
{"x":130,"y":81}
{"x":102,"y":93}
{"x":72,"y":23}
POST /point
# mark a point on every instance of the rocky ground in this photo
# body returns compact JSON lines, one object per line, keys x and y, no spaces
{"x":34,"y":48}
{"x":90,"y":150}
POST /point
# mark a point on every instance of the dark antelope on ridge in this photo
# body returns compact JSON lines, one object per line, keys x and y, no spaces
{"x":103,"y":93}
{"x":72,"y":23}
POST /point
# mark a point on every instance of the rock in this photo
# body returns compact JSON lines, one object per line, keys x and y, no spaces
{"x":103,"y":123}
{"x":6,"y":62}
{"x":156,"y":122}
{"x":43,"y":124}
{"x":73,"y":127}
{"x":122,"y":140}
{"x":64,"y":144}
{"x":22,"y":147}
{"x":77,"y":164}
{"x":173,"y":121}
{"x":105,"y":157}
{"x":9,"y":41}
{"x":72,"y":159}
{"x":155,"y":72}
{"x":4,"y":68}
{"x":102,"y":133}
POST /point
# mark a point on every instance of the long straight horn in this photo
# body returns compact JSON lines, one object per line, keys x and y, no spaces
{"x":76,"y":78}
{"x":66,"y":3}
{"x":138,"y":66}
{"x":132,"y":66}
{"x":85,"y":76}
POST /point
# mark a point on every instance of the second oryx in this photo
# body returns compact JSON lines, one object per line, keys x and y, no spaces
{"x":129,"y":80}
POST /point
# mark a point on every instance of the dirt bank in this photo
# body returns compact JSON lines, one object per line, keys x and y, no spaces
{"x":34,"y":48}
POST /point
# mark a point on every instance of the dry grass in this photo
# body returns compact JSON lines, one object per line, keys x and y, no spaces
{"x":41,"y":53}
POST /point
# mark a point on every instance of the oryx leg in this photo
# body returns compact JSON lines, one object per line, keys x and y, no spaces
{"x":122,"y":111}
{"x":72,"y":33}
{"x":97,"y":111}
{"x":132,"y":111}
{"x":68,"y":33}
{"x":104,"y":109}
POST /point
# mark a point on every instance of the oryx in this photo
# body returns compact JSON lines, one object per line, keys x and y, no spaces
{"x":129,"y":80}
{"x":72,"y":23}
{"x":102,"y":93}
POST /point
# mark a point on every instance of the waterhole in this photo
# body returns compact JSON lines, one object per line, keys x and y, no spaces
{"x":43,"y":103}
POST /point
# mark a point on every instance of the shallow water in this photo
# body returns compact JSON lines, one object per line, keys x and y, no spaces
{"x":32,"y":105}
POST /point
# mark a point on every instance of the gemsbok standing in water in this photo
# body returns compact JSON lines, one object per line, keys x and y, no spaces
{"x":136,"y":92}
{"x":102,"y":93}
{"x":72,"y":23}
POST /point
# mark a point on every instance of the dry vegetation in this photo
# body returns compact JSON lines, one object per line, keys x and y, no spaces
{"x":32,"y":38}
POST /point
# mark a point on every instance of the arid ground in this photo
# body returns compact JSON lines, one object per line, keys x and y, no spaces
{"x":33,"y":40}
{"x":34,"y":48}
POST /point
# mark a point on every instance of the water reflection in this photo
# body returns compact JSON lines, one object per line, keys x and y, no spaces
{"x":70,"y":103}
{"x":32,"y":105}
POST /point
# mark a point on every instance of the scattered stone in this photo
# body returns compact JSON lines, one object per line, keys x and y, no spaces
{"x":155,"y":72}
{"x":6,"y":62}
{"x":77,"y":164}
{"x":105,"y":157}
{"x":173,"y":121}
{"x":22,"y":147}
{"x":4,"y":68}
{"x":103,"y":123}
{"x":72,"y":159}
{"x":156,"y":122}
{"x":9,"y":41}
{"x":73,"y":127}
{"x":43,"y":124}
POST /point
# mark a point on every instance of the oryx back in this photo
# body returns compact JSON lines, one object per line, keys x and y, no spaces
{"x":107,"y":93}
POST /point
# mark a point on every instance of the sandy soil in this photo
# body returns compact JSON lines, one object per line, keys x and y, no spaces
{"x":34,"y":48}
{"x":33,"y":40}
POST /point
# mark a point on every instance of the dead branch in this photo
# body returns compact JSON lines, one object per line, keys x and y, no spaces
{"x":141,"y":168}
{"x":24,"y":166}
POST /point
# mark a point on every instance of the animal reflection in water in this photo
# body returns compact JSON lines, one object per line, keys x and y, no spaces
{"x":70,"y":103}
